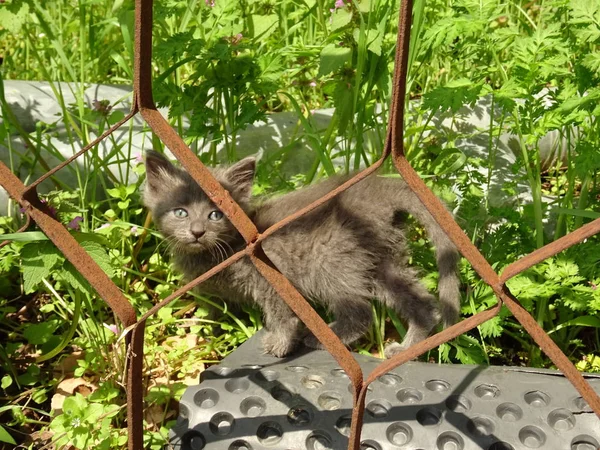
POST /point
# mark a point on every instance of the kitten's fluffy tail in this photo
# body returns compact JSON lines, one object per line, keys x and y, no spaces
{"x":447,"y":257}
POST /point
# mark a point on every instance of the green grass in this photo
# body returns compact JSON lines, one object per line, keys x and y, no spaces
{"x":226,"y":66}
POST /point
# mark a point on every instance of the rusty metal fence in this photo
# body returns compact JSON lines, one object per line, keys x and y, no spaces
{"x":27,"y":197}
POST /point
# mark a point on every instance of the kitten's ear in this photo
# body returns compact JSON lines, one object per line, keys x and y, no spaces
{"x":240,"y":175}
{"x":158,"y":170}
{"x":161,"y":176}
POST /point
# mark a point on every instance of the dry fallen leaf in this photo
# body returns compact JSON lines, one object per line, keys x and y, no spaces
{"x":67,"y":365}
{"x":69,"y":387}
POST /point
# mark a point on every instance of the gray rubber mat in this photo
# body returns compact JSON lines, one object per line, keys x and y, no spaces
{"x":253,"y":401}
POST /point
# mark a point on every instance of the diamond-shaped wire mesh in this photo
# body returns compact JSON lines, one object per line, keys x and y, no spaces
{"x":108,"y":291}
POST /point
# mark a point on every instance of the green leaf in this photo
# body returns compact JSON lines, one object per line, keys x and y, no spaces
{"x":6,"y":381}
{"x":450,"y":160}
{"x":165,"y":314}
{"x":340,"y":18}
{"x":40,"y":333}
{"x":75,"y":405}
{"x":115,"y":193}
{"x":38,"y":262}
{"x":31,"y":376}
{"x":492,"y":327}
{"x":39,"y":396}
{"x":264,"y":26}
{"x":115,"y":117}
{"x":333,"y":58}
{"x":6,"y":437}
{"x":12,"y":18}
{"x":453,"y":96}
{"x":100,"y":255}
{"x":584,"y":321}
{"x":26,"y":236}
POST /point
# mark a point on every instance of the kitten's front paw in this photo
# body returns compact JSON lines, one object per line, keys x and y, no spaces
{"x":312,"y":342}
{"x":277,"y":345}
{"x":392,"y":349}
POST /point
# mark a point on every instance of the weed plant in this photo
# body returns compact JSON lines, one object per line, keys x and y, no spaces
{"x":221,"y":65}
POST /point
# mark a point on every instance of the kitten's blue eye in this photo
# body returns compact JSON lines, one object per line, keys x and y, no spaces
{"x":215,"y":215}
{"x":180,"y":212}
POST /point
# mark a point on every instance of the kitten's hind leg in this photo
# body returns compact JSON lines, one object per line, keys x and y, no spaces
{"x":352,"y":320}
{"x":402,"y":291}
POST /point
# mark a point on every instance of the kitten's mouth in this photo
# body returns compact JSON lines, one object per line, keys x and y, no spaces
{"x":194,"y":247}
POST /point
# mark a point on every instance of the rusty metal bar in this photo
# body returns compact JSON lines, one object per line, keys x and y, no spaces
{"x":547,"y":251}
{"x":143,"y":102}
{"x":67,"y":244}
{"x":31,"y":187}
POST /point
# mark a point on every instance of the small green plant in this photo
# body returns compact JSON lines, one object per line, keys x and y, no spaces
{"x":84,"y":424}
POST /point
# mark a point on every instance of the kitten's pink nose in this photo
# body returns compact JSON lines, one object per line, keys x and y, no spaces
{"x":198,"y":233}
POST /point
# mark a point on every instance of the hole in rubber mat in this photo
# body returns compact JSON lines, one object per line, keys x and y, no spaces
{"x":253,"y":406}
{"x":222,"y":371}
{"x":537,"y":399}
{"x":319,"y":440}
{"x":281,"y":394}
{"x":370,"y":444}
{"x":330,"y":401}
{"x":532,"y":437}
{"x":437,"y":385}
{"x":252,"y":366}
{"x":584,"y":442}
{"x":221,"y":424}
{"x":240,"y":445}
{"x":389,"y":379}
{"x":342,"y":425}
{"x":501,"y":446}
{"x":339,"y":372}
{"x":429,"y":416}
{"x":379,"y":408}
{"x":409,"y":395}
{"x":449,"y":440}
{"x":581,"y":404}
{"x":184,"y":411}
{"x":561,"y":419}
{"x":487,"y":391}
{"x":458,"y":403}
{"x":296,"y":368}
{"x":269,"y":433}
{"x":299,"y":415}
{"x":206,"y":398}
{"x":237,"y":385}
{"x":509,"y":412}
{"x":193,"y":440}
{"x":480,"y":426}
{"x":313,"y":382}
{"x":399,"y":433}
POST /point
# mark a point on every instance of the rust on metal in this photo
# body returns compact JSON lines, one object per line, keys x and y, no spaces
{"x":143,"y":103}
{"x":549,"y":347}
{"x":20,"y":230}
{"x":547,"y":251}
{"x":67,"y":244}
{"x":91,"y":145}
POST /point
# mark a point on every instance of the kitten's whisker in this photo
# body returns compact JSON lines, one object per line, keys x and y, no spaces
{"x":222,"y":251}
{"x":225,"y":245}
{"x":170,"y":242}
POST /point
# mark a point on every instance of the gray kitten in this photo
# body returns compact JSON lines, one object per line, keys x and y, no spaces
{"x":342,"y":255}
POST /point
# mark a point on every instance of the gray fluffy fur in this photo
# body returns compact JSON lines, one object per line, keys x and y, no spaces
{"x":341,"y":255}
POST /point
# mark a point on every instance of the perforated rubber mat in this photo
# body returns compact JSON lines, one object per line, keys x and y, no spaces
{"x":253,"y":401}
